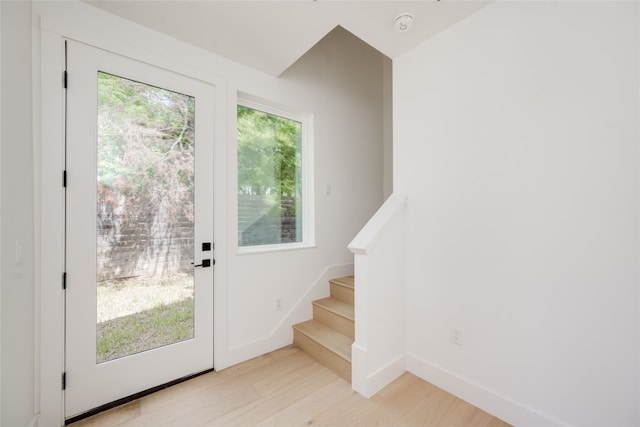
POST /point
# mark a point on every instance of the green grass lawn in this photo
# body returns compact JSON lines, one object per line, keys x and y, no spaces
{"x":152,"y":328}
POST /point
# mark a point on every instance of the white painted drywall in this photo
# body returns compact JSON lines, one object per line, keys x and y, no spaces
{"x":387,"y":129}
{"x":378,"y":353}
{"x":517,"y":140}
{"x":339,"y":81}
{"x":17,"y":312}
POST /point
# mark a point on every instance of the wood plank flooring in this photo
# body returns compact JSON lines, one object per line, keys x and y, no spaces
{"x":289,"y":388}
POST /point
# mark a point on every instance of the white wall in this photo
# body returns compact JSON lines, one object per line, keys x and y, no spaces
{"x":378,"y":353}
{"x":387,"y":104}
{"x":339,"y":81}
{"x":17,"y":281}
{"x":516,"y":139}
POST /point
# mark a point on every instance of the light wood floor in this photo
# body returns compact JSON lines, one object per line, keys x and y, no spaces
{"x":289,"y":388}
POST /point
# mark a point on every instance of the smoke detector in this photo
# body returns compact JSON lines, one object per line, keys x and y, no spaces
{"x":403,"y":22}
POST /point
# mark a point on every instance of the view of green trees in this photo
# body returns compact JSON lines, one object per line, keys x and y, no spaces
{"x":268,"y":154}
{"x":269,"y":177}
{"x":145,"y":214}
{"x":146,"y":146}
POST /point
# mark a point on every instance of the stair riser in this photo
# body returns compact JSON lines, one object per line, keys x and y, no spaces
{"x":342,"y":293}
{"x":334,"y":321}
{"x":324,"y":356}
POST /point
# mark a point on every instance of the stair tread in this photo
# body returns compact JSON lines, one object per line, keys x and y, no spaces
{"x":341,"y":308}
{"x":327,"y":337}
{"x":347,"y":281}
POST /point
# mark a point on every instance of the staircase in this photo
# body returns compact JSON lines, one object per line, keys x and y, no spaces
{"x":329,"y":335}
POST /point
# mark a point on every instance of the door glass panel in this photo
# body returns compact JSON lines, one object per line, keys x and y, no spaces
{"x":145,"y":217}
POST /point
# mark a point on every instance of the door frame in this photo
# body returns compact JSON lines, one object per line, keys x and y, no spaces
{"x":153,"y":366}
{"x":49,"y":161}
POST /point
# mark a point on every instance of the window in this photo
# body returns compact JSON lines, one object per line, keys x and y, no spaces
{"x":273,"y":178}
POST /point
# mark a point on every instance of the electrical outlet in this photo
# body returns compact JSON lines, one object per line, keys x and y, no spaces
{"x":278,"y":304}
{"x":455,"y":335}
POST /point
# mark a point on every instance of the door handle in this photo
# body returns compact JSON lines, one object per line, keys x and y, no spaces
{"x":205,"y":263}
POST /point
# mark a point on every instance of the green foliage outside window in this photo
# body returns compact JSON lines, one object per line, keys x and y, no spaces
{"x":146,"y":146}
{"x":269,"y":178}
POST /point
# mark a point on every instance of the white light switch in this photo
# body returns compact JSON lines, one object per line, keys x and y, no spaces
{"x":18,"y":252}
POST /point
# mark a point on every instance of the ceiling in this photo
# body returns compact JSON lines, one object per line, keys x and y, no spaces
{"x":271,"y":35}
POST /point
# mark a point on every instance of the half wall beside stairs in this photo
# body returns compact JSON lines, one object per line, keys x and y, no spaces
{"x":378,"y":353}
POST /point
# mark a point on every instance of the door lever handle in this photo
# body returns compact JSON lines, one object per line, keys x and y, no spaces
{"x":205,"y":263}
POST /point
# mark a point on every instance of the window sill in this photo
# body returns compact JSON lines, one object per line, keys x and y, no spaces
{"x":248,"y":250}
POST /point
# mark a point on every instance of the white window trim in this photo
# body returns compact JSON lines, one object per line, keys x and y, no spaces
{"x":307,"y":162}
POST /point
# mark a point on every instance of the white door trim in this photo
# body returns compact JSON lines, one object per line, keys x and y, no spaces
{"x":49,"y":157}
{"x":156,"y":366}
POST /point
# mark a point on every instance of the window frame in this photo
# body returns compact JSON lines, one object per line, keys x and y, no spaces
{"x":307,"y":175}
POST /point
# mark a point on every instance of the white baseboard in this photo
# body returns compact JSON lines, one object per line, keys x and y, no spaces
{"x":368,"y":384}
{"x":489,"y":401}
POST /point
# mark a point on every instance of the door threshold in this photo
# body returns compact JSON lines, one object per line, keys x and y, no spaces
{"x":133,"y":397}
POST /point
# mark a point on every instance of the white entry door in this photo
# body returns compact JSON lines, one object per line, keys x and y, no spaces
{"x":139,"y":227}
